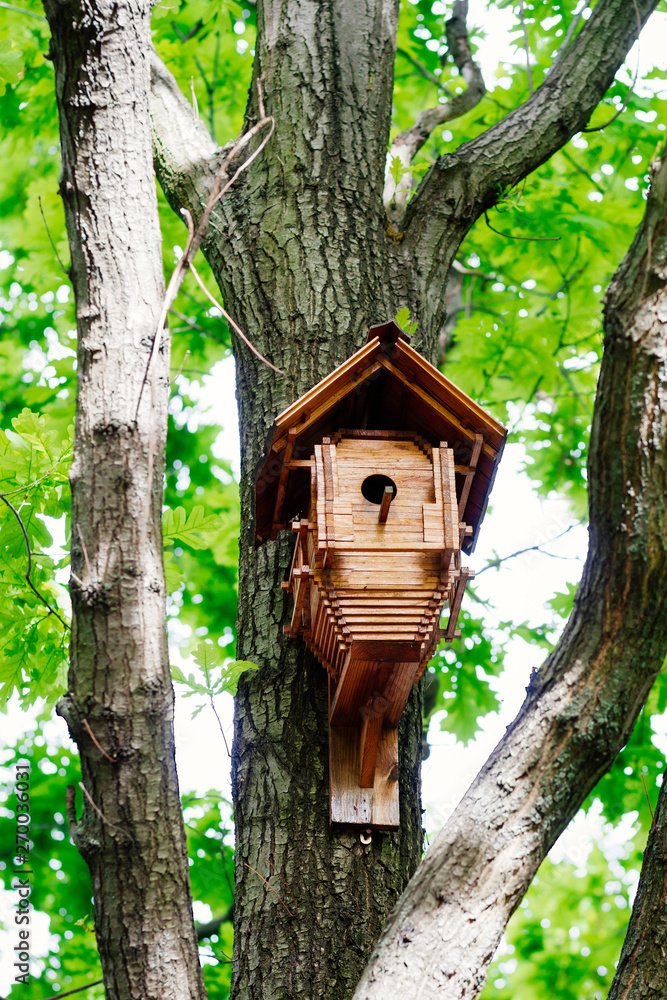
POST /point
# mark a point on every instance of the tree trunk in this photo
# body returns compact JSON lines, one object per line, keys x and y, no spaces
{"x":637,"y":315}
{"x":119,"y":705}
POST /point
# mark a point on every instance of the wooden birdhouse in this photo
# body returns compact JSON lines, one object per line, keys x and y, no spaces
{"x":383,"y":472}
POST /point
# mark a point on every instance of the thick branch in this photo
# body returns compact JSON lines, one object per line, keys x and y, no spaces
{"x":461,"y":186}
{"x":186,"y":158}
{"x":411,"y":140}
{"x":641,"y":973}
{"x":582,"y":704}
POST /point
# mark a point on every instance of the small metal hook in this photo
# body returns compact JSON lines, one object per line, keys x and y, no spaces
{"x":366,"y":836}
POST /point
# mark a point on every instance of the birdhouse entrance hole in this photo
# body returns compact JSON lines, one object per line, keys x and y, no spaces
{"x":373,"y":488}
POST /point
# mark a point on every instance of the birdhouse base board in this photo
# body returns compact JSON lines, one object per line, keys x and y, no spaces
{"x":349,"y":803}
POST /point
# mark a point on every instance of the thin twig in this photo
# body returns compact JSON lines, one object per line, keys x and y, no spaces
{"x":424,"y":72}
{"x":195,"y":109}
{"x":495,"y":563}
{"x":509,"y":236}
{"x":269,"y":887}
{"x":526,"y":48}
{"x":48,"y":231}
{"x":285,"y":883}
{"x":182,"y":365}
{"x":215,"y":712}
{"x":40,"y":17}
{"x":112,"y":760}
{"x":570,"y":31}
{"x":85,"y":551}
{"x":52,"y":611}
{"x":35,"y":482}
{"x":235,"y":325}
{"x":97,"y":808}
{"x":79,"y":989}
{"x":598,"y":128}
{"x":650,"y":809}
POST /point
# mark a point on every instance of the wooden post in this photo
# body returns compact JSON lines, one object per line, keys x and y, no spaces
{"x":373,"y":714}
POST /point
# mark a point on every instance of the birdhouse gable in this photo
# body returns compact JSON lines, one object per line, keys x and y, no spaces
{"x":386,"y":386}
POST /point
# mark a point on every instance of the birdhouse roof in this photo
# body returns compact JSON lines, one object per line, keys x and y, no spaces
{"x":385,"y":386}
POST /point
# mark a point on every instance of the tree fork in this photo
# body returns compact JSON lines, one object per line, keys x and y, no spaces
{"x":119,"y":704}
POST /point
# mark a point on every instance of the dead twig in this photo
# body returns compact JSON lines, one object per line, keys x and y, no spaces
{"x":424,"y":72}
{"x":650,"y":809}
{"x":79,"y":989}
{"x":509,"y":236}
{"x":40,"y":17}
{"x":237,"y":328}
{"x":112,"y":760}
{"x":97,"y":808}
{"x":285,"y":883}
{"x":269,"y":887}
{"x":496,"y":563}
{"x":215,"y":712}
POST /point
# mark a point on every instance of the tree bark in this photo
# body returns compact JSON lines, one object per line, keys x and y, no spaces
{"x":301,"y":254}
{"x":637,"y":313}
{"x":119,"y":705}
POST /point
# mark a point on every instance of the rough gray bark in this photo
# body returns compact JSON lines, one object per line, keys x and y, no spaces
{"x":131,"y":830}
{"x":636,"y":308}
{"x":301,"y":254}
{"x":641,"y":973}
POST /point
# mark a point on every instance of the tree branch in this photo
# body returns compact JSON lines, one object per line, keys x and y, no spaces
{"x":461,"y":186}
{"x":411,"y":140}
{"x":186,"y":158}
{"x":641,"y":967}
{"x":582,"y":704}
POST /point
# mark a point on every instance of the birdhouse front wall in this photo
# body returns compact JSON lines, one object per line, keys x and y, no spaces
{"x":376,"y":559}
{"x":379,"y":587}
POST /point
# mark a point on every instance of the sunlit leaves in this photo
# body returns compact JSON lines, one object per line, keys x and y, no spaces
{"x":34,"y":459}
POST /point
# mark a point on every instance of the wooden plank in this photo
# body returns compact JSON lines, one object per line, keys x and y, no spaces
{"x":439,"y":387}
{"x":371,"y":728}
{"x":354,"y":689}
{"x":321,"y":498}
{"x":284,"y":473}
{"x":456,"y":604}
{"x":298,"y":463}
{"x":398,"y":690}
{"x":309,"y":407}
{"x":450,"y":508}
{"x":375,"y":807}
{"x":405,"y":652}
{"x":470,"y":474}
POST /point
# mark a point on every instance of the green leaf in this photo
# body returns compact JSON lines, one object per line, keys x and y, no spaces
{"x":233,"y":672}
{"x":396,"y":169}
{"x":11,"y":60}
{"x":188,"y":529}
